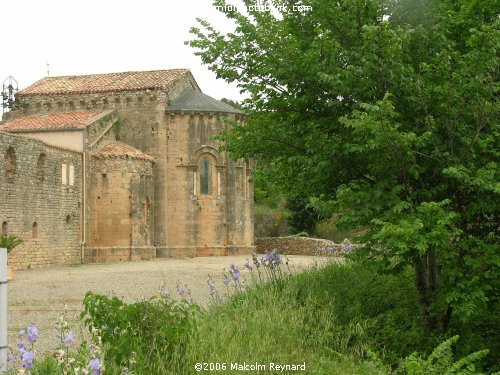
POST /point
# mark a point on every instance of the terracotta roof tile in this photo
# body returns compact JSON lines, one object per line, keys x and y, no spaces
{"x":115,"y":149}
{"x":49,"y":121}
{"x":111,"y":82}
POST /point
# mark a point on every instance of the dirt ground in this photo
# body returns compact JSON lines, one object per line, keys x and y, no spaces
{"x":38,"y":296}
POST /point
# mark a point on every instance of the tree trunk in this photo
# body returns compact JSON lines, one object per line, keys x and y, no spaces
{"x":422,"y":277}
{"x":432,"y":272}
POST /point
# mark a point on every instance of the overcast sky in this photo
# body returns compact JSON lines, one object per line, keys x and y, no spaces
{"x":104,"y":36}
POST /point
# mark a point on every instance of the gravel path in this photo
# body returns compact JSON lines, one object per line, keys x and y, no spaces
{"x":38,"y":296}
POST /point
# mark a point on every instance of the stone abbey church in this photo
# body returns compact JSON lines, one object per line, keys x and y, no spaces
{"x":121,"y":166}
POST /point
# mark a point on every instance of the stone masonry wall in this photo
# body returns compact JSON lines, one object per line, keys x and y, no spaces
{"x":121,"y":209}
{"x":36,"y":206}
{"x":298,"y":246}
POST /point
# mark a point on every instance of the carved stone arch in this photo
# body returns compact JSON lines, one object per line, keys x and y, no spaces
{"x":207,"y":150}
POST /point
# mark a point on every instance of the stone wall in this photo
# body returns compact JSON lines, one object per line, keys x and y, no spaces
{"x":197,"y":224}
{"x":120,"y":209}
{"x":299,"y":246}
{"x":36,"y":206}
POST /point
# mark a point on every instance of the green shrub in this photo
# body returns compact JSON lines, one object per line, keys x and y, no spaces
{"x":441,"y":361}
{"x":271,"y":222}
{"x":384,"y":303}
{"x":149,"y":335}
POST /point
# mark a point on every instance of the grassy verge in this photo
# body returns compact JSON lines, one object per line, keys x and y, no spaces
{"x":336,"y":319}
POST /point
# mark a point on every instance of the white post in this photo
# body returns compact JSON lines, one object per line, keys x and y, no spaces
{"x":3,"y":310}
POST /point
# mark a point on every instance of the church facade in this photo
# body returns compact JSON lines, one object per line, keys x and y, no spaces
{"x":121,"y":166}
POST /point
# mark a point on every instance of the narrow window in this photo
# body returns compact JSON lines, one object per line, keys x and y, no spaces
{"x":205,"y":177}
{"x":34,"y":231}
{"x":5,"y":228}
{"x":105,"y":182}
{"x":243,"y":182}
{"x":68,"y":219}
{"x":40,"y":167}
{"x":71,"y":175}
{"x":105,"y":103}
{"x":10,"y":163}
{"x":147,"y":210}
{"x":247,"y":180}
{"x":219,"y":186}
{"x":64,"y":172}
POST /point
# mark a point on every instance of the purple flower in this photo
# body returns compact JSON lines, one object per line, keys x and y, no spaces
{"x":236,"y":274}
{"x":255,"y":260}
{"x":22,"y":332}
{"x":27,"y":360}
{"x":94,"y":365}
{"x":271,"y":259}
{"x":225,"y":281}
{"x":165,"y":293}
{"x":248,"y":266}
{"x":32,"y":334}
{"x":10,"y":357}
{"x":182,"y":291}
{"x":32,"y":331}
{"x":213,"y":289}
{"x":69,"y":339}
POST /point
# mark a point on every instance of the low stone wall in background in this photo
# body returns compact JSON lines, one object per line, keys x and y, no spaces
{"x":301,"y":246}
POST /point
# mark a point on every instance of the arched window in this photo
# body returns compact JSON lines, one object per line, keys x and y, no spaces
{"x":40,"y":167}
{"x":205,"y":176}
{"x":10,"y":164}
{"x":68,"y":219}
{"x":34,"y":231}
{"x":5,"y":228}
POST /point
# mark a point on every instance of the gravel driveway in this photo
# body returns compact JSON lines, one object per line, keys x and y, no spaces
{"x":38,"y":296}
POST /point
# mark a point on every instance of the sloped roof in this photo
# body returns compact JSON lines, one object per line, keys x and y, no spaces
{"x":195,"y":101}
{"x":99,"y":83}
{"x":51,"y":121}
{"x":115,"y":149}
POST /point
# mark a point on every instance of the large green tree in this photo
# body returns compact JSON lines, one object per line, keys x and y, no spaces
{"x":385,"y":112}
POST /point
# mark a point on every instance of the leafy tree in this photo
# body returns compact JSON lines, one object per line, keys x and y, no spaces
{"x":303,"y":217}
{"x":387,"y":116}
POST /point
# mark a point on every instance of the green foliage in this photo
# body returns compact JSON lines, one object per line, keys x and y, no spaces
{"x":270,"y":222}
{"x":9,"y":242}
{"x":153,"y":333}
{"x":384,"y":304}
{"x":303,"y":218}
{"x":385,"y":112}
{"x":284,"y":322}
{"x":441,"y":361}
{"x":47,"y":366}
